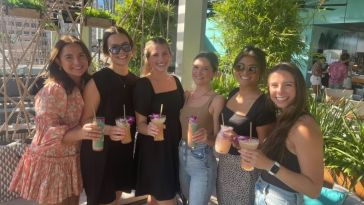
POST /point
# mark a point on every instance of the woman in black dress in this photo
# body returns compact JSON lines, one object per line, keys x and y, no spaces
{"x":158,"y":160}
{"x":108,"y":172}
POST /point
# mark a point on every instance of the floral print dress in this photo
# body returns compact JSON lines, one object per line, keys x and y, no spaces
{"x":49,"y":171}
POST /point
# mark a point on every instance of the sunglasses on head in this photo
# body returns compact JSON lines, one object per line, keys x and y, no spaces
{"x":115,"y":49}
{"x":241,"y":67}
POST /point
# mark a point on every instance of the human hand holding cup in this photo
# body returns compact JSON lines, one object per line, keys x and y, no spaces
{"x":125,"y":123}
{"x":223,"y":140}
{"x":157,"y":121}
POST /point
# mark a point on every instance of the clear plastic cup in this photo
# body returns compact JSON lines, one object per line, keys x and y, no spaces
{"x":192,"y":128}
{"x":222,"y":144}
{"x":250,"y":144}
{"x":123,"y":123}
{"x":158,"y":120}
{"x":98,"y":144}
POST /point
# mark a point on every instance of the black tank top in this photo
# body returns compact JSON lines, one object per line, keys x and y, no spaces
{"x":290,"y":162}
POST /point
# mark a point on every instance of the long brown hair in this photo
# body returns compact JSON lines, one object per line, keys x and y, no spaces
{"x":148,"y":45}
{"x":56,"y":73}
{"x":275,"y":145}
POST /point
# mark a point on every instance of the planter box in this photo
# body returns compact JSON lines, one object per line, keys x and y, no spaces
{"x":23,"y":12}
{"x":98,"y":22}
{"x":331,"y":177}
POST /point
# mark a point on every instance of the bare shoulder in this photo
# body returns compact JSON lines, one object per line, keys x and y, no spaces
{"x":218,"y":100}
{"x":306,"y":128}
{"x":218,"y":103}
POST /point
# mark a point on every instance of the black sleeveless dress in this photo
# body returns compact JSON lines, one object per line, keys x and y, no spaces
{"x":157,"y":172}
{"x":112,"y":169}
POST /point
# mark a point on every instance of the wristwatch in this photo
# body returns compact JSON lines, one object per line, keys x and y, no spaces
{"x":274,"y":169}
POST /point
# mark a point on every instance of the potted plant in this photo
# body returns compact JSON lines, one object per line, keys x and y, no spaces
{"x":343,"y":144}
{"x":24,"y":8}
{"x":98,"y":18}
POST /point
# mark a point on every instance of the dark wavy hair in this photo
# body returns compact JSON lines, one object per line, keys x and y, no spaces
{"x":275,"y":145}
{"x":148,"y":44}
{"x":111,"y":31}
{"x":259,"y":56}
{"x":56,"y":73}
{"x":211,"y":58}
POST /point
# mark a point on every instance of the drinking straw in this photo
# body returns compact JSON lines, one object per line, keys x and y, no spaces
{"x":124,"y":111}
{"x":93,"y":109}
{"x":160,"y":113}
{"x":222,"y":118}
{"x":251,"y":128}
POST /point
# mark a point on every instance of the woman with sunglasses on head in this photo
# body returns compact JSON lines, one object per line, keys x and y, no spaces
{"x":159,"y":96}
{"x":49,"y":170}
{"x":109,"y":172}
{"x":292,"y":154}
{"x":246,"y":106}
{"x":203,"y":106}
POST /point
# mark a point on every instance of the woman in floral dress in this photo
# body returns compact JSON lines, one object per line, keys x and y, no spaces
{"x":49,"y":171}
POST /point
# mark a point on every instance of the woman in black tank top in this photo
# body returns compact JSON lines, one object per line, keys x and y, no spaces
{"x":109,"y":94}
{"x":292,"y":156}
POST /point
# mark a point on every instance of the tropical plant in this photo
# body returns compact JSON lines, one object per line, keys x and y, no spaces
{"x":343,"y":137}
{"x":98,"y":13}
{"x":30,"y":4}
{"x":273,"y":25}
{"x":144,"y":19}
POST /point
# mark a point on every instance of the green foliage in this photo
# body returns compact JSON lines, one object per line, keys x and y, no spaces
{"x":99,"y":13}
{"x":273,"y":25}
{"x":343,"y":137}
{"x":30,"y":4}
{"x":154,"y":14}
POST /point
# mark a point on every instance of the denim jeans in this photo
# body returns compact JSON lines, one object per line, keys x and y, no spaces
{"x":268,"y":194}
{"x":197,"y":172}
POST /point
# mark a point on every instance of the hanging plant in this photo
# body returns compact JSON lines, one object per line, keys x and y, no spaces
{"x":98,"y":17}
{"x":24,"y":8}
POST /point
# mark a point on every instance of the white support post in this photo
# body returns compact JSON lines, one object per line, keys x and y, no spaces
{"x":190,"y":36}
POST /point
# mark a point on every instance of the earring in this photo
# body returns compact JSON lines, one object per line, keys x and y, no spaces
{"x":60,"y":68}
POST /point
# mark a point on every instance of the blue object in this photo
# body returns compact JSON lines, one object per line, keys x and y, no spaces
{"x":327,"y":197}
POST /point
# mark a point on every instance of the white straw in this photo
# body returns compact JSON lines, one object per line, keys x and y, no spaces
{"x":160,"y":113}
{"x":251,"y":128}
{"x":124,"y":111}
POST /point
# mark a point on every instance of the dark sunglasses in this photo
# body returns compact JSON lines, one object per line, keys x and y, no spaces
{"x":115,"y":49}
{"x":241,"y":68}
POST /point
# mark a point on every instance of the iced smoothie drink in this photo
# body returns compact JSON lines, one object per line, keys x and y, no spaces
{"x":125,"y":123}
{"x":192,"y":128}
{"x":249,"y":144}
{"x":158,"y":120}
{"x":98,"y":144}
{"x":222,"y":144}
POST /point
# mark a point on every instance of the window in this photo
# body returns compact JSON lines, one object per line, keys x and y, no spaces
{"x":18,"y":24}
{"x":33,"y":25}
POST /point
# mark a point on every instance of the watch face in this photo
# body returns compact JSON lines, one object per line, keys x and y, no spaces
{"x":275,"y":169}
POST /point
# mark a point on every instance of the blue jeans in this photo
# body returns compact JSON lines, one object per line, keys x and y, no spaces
{"x":268,"y":194}
{"x":197,"y":172}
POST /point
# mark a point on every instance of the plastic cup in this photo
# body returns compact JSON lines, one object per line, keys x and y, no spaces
{"x":249,"y":144}
{"x":222,"y":144}
{"x":192,"y":128}
{"x":123,"y":123}
{"x":98,"y":144}
{"x":159,"y":120}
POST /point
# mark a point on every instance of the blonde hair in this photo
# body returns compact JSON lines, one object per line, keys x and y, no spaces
{"x":148,"y":45}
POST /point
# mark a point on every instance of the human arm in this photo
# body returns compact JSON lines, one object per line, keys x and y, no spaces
{"x":91,"y":97}
{"x":305,"y":140}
